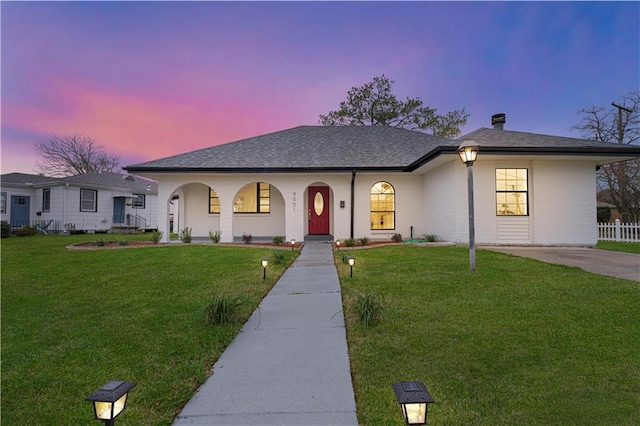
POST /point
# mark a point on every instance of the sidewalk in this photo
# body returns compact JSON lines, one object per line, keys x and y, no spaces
{"x":289,"y":364}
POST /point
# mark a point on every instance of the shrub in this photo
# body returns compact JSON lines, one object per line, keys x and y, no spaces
{"x":364,"y":241}
{"x":123,"y":242}
{"x":215,"y":236}
{"x":6,"y":229}
{"x":101,"y":242}
{"x":26,"y":231}
{"x":221,"y":309}
{"x":430,"y":238}
{"x":350,"y":242}
{"x":185,"y":235}
{"x":396,"y":238}
{"x":247,"y":238}
{"x":156,"y":236}
{"x":369,"y":307}
{"x":278,"y":239}
{"x":279,"y":257}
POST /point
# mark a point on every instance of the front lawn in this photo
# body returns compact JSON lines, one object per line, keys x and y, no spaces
{"x":73,"y":320}
{"x":619,"y":246}
{"x":516,"y":342}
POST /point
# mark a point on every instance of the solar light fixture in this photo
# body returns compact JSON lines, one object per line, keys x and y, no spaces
{"x":468,"y":152}
{"x":110,"y":400}
{"x":265,"y":263}
{"x":293,"y":243}
{"x":413,"y":398}
{"x":338,"y":244}
{"x":352,"y":261}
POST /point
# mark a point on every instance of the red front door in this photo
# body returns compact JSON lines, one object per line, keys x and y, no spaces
{"x":318,"y":210}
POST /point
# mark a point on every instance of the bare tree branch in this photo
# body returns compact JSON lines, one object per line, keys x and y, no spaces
{"x":73,"y":155}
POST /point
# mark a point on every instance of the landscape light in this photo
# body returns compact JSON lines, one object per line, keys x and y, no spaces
{"x":413,"y":398}
{"x":265,"y":263}
{"x":352,"y":261}
{"x":110,"y":400}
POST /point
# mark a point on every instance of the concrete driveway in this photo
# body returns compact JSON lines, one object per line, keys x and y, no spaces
{"x":604,"y":262}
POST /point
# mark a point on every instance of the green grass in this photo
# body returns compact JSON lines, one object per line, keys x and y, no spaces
{"x":619,"y":246}
{"x":516,"y":342}
{"x":73,"y":320}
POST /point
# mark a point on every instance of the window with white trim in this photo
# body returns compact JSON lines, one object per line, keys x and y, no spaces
{"x":383,"y":206}
{"x":3,"y":202}
{"x":512,"y":192}
{"x":46,"y":199}
{"x":138,"y":201}
{"x":88,"y":200}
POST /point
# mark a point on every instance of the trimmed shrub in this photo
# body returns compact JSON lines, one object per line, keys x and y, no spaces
{"x":185,"y":235}
{"x":156,"y":236}
{"x":26,"y":231}
{"x":431,"y":238}
{"x":278,"y":239}
{"x":396,"y":238}
{"x":215,"y":236}
{"x":350,"y":242}
{"x":6,"y":229}
{"x":247,"y":238}
{"x":364,"y":241}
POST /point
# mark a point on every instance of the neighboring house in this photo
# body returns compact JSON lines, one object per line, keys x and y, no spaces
{"x":375,"y":181}
{"x":94,"y":202}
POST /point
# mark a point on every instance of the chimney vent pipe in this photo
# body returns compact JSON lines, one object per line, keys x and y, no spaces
{"x":498,"y":120}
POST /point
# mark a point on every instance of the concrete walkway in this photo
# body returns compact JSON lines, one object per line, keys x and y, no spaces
{"x":604,"y":262}
{"x":289,"y":364}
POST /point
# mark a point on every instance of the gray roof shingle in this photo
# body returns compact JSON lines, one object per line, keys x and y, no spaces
{"x":102,"y":179}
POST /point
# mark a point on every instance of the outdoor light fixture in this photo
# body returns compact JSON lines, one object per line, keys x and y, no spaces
{"x":293,"y":243}
{"x":265,"y":263}
{"x":338,"y":244}
{"x":352,"y":261}
{"x":110,"y":400}
{"x":413,"y":398}
{"x":468,"y":152}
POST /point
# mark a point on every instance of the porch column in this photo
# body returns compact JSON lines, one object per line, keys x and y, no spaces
{"x":294,"y":213}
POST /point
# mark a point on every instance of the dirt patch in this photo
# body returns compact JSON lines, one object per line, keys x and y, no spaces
{"x":92,"y":245}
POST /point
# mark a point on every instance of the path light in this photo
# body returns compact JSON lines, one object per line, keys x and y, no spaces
{"x":413,"y":398}
{"x":338,"y":244}
{"x":265,"y":263}
{"x":110,"y":400}
{"x":352,"y":261}
{"x":293,"y":243}
{"x":468,"y":152}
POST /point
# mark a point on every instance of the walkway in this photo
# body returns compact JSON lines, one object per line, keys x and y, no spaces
{"x":289,"y":364}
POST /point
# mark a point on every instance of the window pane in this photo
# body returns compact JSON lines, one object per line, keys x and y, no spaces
{"x":214,"y":202}
{"x":3,"y":202}
{"x":382,"y":206}
{"x":253,"y":198}
{"x":88,"y":200}
{"x":511,"y":192}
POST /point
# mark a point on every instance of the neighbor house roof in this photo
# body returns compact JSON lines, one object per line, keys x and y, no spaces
{"x":339,"y":148}
{"x":99,"y":179}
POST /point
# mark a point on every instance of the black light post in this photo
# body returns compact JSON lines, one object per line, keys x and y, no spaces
{"x":468,"y":152}
{"x":110,"y":400}
{"x":338,"y":244}
{"x":265,"y":263}
{"x":293,"y":244}
{"x":352,"y":261}
{"x":413,"y":398}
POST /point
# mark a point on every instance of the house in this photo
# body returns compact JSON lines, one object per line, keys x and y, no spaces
{"x":376,"y":181}
{"x":92,"y":202}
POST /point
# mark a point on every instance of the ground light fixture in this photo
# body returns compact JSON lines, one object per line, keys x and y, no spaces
{"x":110,"y":400}
{"x":468,"y":152}
{"x":265,"y":263}
{"x":293,"y":243}
{"x":413,"y":398}
{"x":338,"y":244}
{"x":352,"y":261}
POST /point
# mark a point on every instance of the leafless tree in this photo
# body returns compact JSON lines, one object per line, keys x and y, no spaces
{"x":619,"y":183}
{"x":73,"y":155}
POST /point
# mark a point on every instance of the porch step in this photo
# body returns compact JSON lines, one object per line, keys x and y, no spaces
{"x":319,"y":238}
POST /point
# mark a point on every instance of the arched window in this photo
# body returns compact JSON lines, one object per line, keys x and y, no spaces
{"x":383,"y":206}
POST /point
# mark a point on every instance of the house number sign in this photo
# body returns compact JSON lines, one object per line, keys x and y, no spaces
{"x":294,"y":202}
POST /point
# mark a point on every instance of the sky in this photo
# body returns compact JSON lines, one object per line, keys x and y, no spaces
{"x":148,"y":80}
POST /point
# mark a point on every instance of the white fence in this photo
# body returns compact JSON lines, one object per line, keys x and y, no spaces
{"x":617,"y":231}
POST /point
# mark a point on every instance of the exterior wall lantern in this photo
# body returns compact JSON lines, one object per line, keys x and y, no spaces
{"x":413,"y":398}
{"x":110,"y":400}
{"x":468,"y":152}
{"x":293,"y":243}
{"x":352,"y":261}
{"x":265,"y":263}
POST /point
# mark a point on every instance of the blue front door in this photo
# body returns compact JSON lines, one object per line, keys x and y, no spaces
{"x":19,"y":211}
{"x":118,"y":210}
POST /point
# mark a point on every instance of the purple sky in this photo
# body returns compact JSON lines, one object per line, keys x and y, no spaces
{"x":152,"y":79}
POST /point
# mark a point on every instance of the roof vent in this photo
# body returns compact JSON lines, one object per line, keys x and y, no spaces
{"x":498,"y":120}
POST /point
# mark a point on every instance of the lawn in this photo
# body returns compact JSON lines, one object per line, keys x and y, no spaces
{"x":619,"y":246}
{"x":516,"y":342}
{"x":74,"y":320}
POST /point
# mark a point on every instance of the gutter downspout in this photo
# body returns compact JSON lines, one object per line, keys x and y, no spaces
{"x":353,"y":180}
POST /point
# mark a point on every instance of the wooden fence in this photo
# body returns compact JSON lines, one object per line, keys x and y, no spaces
{"x":617,"y":231}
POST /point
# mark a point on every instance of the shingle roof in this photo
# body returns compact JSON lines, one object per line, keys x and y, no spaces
{"x":329,"y":148}
{"x":103,"y":179}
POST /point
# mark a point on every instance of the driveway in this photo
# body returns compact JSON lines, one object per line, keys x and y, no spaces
{"x":604,"y":262}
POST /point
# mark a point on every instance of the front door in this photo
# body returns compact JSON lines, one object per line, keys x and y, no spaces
{"x":118,"y":210}
{"x":20,"y":211}
{"x":318,"y":210}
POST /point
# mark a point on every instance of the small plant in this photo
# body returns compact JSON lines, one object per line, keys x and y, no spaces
{"x":123,"y":242}
{"x":185,"y":235}
{"x":6,"y":229}
{"x":156,"y":236}
{"x":221,"y":309}
{"x":345,"y":257}
{"x":350,"y":242}
{"x":247,"y":238}
{"x":370,"y":307}
{"x":101,"y":242}
{"x":279,"y":257}
{"x":215,"y":236}
{"x":396,"y":238}
{"x":430,"y":238}
{"x":26,"y":231}
{"x":364,"y":241}
{"x":278,"y":239}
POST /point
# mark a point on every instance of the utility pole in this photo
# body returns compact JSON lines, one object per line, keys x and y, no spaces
{"x":620,"y":130}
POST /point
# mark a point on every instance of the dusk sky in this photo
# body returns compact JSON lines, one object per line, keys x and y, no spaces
{"x":148,"y":80}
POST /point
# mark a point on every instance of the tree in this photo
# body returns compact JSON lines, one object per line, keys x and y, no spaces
{"x":373,"y":104}
{"x":618,"y":183}
{"x":73,"y":155}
